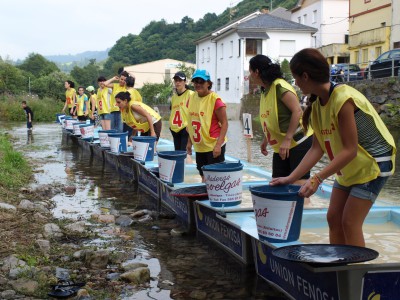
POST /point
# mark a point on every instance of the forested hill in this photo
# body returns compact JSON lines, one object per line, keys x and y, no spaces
{"x":159,"y":40}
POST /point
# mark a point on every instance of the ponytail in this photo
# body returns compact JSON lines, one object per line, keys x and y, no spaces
{"x":307,"y":112}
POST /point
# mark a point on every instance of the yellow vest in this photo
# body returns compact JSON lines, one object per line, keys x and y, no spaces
{"x":135,"y":95}
{"x":269,"y":117}
{"x":69,"y":96}
{"x":102,"y":101}
{"x":324,"y":120}
{"x":80,"y":103}
{"x":137,"y":121}
{"x":178,"y":119}
{"x":116,"y":89}
{"x":199,"y":114}
{"x":94,"y":96}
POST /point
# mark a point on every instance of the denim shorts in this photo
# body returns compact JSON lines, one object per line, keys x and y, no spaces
{"x":105,"y":117}
{"x":371,"y":189}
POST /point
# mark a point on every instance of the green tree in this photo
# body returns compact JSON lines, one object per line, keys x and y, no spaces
{"x":12,"y":79}
{"x":86,"y":75}
{"x":156,"y":93}
{"x":285,"y":68}
{"x":38,"y":66}
{"x":51,"y":85}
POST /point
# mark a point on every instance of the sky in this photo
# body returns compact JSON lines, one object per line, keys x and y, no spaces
{"x":55,"y":27}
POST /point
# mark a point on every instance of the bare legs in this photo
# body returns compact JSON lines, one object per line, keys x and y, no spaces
{"x":106,"y":124}
{"x":346,"y":215}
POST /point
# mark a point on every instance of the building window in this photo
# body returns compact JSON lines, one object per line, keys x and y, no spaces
{"x":218,"y":84}
{"x":287,"y":47}
{"x":239,"y":45}
{"x":208,"y":54}
{"x":227,"y":84}
{"x":305,"y":19}
{"x":365,"y":55}
{"x":357,"y":56}
{"x":221,"y":56}
{"x":253,"y":47}
{"x":299,"y":20}
{"x":202,"y":55}
{"x":378,"y":51}
{"x":396,"y":45}
{"x":314,"y":16}
{"x":231,"y":49}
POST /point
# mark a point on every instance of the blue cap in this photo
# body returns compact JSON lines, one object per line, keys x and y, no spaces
{"x":203,"y":74}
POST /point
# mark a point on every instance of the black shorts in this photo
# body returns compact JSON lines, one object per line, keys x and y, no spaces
{"x":157,"y":129}
{"x":180,"y":139}
{"x":206,"y":158}
{"x":283,"y":168}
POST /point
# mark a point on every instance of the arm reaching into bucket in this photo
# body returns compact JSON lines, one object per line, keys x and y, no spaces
{"x":313,"y":155}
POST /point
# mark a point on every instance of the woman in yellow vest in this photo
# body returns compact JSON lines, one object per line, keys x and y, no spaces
{"x":82,"y":106}
{"x":103,"y":103}
{"x":116,"y":122}
{"x":280,"y":116}
{"x":177,"y":119}
{"x":135,"y":96}
{"x":207,"y":122}
{"x":139,"y":116}
{"x":350,"y":132}
{"x":70,"y":98}
{"x":92,"y":100}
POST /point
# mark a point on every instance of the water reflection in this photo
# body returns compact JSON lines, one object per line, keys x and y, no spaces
{"x":29,"y":139}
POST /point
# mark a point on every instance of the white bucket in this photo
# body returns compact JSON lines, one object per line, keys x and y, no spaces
{"x":140,"y":150}
{"x":87,"y":131}
{"x":76,"y":128}
{"x":224,"y":183}
{"x":103,"y":138}
{"x":69,"y":124}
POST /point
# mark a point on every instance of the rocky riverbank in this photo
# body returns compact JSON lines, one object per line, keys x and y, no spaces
{"x":39,"y":251}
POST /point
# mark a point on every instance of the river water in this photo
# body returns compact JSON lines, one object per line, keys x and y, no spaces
{"x":180,"y":265}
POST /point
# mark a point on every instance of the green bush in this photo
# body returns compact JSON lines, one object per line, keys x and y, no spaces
{"x":44,"y":110}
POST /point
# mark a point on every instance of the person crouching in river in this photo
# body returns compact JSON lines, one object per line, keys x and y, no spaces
{"x":139,"y":116}
{"x":207,"y":122}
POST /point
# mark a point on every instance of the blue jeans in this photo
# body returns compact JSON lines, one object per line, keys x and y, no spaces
{"x":116,"y":122}
{"x":371,"y":189}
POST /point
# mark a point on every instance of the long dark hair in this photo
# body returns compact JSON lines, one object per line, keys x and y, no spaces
{"x":123,"y":96}
{"x":71,"y":83}
{"x":312,"y":62}
{"x":266,"y":68}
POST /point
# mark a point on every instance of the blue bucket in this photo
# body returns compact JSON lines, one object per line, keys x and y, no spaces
{"x":103,"y":137}
{"x":143,"y":147}
{"x":224,"y":183}
{"x":118,"y":142}
{"x":60,"y":118}
{"x":171,"y":166}
{"x":278,"y":211}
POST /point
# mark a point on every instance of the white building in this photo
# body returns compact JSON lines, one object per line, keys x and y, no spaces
{"x":226,"y":52}
{"x":331,"y":18}
{"x":155,"y":71}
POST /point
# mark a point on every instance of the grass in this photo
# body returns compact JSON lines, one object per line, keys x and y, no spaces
{"x":15,"y":171}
